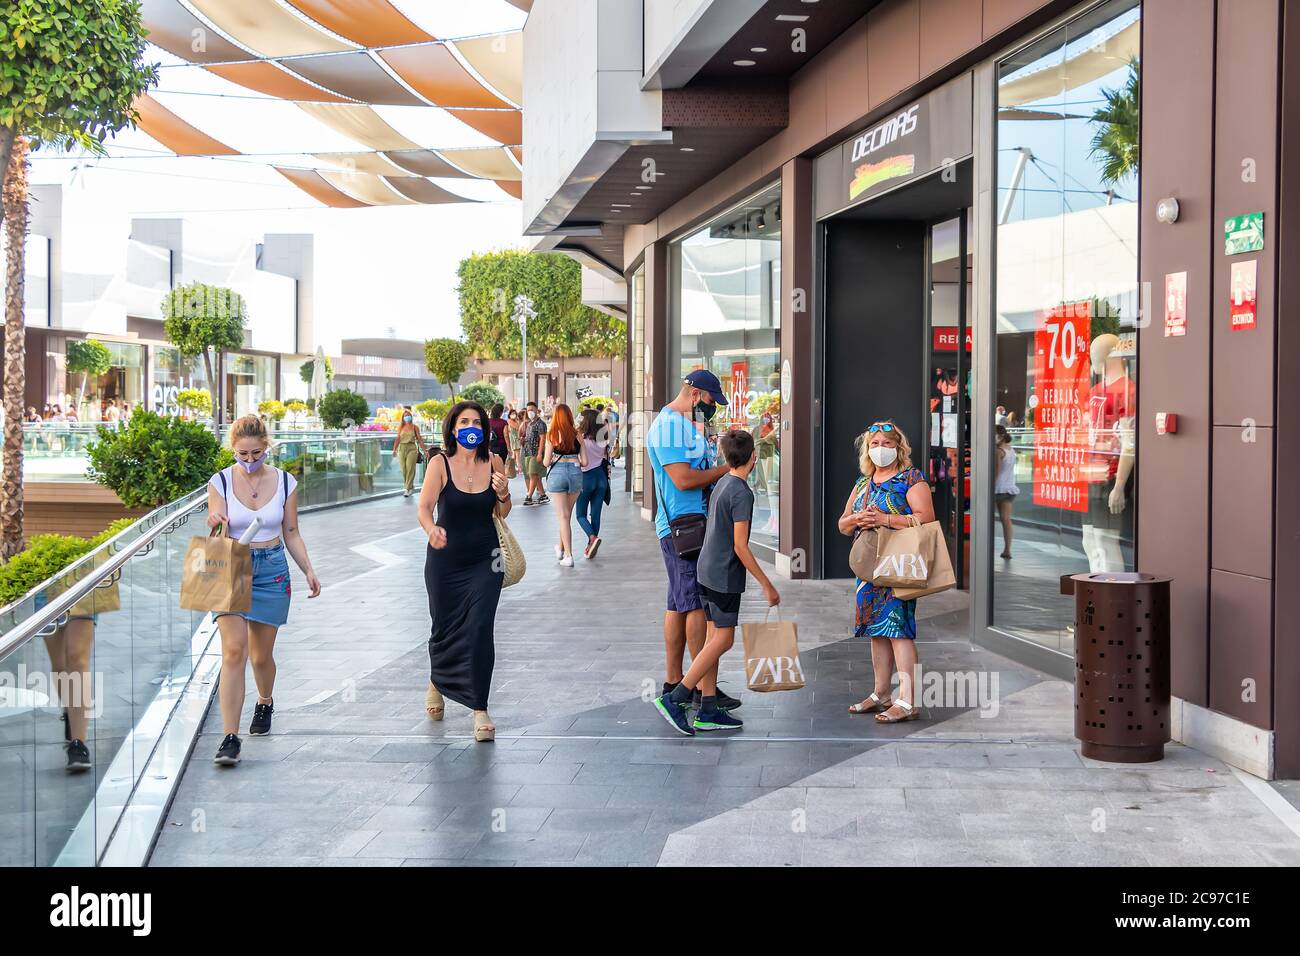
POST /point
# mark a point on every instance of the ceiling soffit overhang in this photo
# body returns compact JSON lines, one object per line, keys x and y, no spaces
{"x":712,"y":126}
{"x":605,"y":150}
{"x":698,"y":42}
{"x":602,"y":253}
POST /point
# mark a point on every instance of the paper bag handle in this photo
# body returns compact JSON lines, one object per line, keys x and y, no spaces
{"x":768,"y":613}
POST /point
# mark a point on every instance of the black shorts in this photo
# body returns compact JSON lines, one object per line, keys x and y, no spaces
{"x":722,"y":608}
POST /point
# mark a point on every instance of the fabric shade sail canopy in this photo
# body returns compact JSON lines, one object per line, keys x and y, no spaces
{"x":415,"y":104}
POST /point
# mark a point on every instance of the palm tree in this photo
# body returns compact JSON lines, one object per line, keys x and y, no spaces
{"x":1116,"y":138}
{"x":13,"y":207}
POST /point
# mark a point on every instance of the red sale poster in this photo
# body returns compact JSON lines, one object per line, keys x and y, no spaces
{"x":1060,"y":400}
{"x":739,"y":391}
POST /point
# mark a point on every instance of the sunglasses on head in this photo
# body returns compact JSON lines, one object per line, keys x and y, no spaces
{"x":881,"y":427}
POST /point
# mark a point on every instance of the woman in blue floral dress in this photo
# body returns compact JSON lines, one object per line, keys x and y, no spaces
{"x":890,"y":488}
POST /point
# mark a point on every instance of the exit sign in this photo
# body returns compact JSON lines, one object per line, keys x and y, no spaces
{"x":1244,"y":233}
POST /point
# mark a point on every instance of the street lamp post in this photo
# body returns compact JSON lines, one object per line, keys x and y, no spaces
{"x":523,"y":312}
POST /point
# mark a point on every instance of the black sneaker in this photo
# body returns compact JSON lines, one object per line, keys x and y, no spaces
{"x":78,"y":757}
{"x":261,"y":725}
{"x":716,"y":720}
{"x":544,"y":500}
{"x":675,"y":714}
{"x":528,"y":502}
{"x":228,"y":752}
{"x":724,"y":701}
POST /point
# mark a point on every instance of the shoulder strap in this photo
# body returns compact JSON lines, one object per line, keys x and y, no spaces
{"x":224,"y":491}
{"x":284,"y":480}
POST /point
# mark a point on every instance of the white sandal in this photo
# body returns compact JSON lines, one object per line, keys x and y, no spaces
{"x":909,"y":713}
{"x":875,"y":707}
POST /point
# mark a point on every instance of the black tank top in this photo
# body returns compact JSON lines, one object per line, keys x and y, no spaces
{"x":471,"y":536}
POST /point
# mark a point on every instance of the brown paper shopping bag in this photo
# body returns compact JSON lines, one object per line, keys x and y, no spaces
{"x":217,"y":575}
{"x":903,"y":558}
{"x":941,"y":576}
{"x":772,"y":655}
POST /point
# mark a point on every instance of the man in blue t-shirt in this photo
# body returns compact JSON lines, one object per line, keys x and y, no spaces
{"x":682,"y":469}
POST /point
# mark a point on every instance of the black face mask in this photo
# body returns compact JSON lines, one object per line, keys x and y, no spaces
{"x":704,"y":410}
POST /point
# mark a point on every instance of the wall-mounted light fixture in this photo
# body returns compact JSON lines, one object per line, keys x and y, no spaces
{"x":1167,"y":210}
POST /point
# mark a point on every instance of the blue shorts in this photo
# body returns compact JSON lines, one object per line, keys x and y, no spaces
{"x":271,"y":590}
{"x":683,"y":590}
{"x":565,"y":478}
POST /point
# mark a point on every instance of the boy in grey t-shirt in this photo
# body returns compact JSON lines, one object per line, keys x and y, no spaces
{"x":720,"y":578}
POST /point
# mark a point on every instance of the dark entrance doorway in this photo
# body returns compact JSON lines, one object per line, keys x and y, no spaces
{"x":897,"y":345}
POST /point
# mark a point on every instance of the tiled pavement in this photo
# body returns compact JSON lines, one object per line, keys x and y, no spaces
{"x":585,"y":773}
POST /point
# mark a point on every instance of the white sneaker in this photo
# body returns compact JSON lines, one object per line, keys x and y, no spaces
{"x":559,"y":553}
{"x":566,"y":561}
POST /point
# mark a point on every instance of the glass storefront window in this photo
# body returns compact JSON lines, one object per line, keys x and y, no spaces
{"x":250,"y":379}
{"x":173,"y":373}
{"x":91,"y":394}
{"x":1066,"y":311}
{"x":596,"y":384}
{"x":727,"y":292}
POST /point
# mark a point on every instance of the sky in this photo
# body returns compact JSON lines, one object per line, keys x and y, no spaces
{"x":377,"y":269}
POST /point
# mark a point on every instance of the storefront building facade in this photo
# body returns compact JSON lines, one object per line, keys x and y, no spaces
{"x":552,"y":381}
{"x":958,"y":216}
{"x":96,"y":273}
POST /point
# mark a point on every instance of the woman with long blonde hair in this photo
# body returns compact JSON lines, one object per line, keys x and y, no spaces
{"x":564,"y":458}
{"x":890,"y":489}
{"x":251,"y":490}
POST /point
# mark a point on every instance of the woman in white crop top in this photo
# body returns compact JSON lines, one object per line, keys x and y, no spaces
{"x":237,"y":495}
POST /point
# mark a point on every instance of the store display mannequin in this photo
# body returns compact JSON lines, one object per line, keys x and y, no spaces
{"x":1112,"y":426}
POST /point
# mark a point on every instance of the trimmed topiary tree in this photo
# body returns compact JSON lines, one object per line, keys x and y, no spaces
{"x":199,"y":319}
{"x":447,"y":360}
{"x":196,"y":401}
{"x":342,"y":408}
{"x":485,"y":393}
{"x":89,"y":357}
{"x":272,"y":408}
{"x":155,"y":459}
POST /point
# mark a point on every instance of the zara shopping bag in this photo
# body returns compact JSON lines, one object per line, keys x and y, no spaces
{"x":903,"y":557}
{"x":914,"y":561}
{"x":217,"y":575}
{"x":772,"y":655}
{"x":941,"y":577}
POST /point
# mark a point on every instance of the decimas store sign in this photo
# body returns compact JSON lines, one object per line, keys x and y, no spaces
{"x":1061,"y":392}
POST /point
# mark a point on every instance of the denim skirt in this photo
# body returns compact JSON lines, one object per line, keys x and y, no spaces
{"x":271,"y":589}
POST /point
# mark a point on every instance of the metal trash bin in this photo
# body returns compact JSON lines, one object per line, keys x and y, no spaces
{"x":1121,"y":664}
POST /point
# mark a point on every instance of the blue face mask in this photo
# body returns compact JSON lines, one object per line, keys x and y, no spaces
{"x":470,"y":437}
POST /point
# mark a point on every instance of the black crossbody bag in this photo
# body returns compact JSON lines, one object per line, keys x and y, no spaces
{"x":686,"y":531}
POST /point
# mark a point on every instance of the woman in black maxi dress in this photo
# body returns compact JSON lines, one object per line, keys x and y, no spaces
{"x":462,"y":570}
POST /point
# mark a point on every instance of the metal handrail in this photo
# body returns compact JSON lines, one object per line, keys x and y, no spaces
{"x":155,"y":523}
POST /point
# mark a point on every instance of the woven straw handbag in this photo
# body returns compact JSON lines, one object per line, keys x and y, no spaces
{"x":512,"y":555}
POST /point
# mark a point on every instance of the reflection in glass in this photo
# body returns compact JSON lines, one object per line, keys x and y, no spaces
{"x":1066,"y":314}
{"x":728,"y":294}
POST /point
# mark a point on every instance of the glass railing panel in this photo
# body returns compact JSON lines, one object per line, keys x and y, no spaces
{"x":18,"y":773}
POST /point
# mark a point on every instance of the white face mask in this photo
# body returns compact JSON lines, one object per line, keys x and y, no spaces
{"x":883,"y":456}
{"x":532,"y":414}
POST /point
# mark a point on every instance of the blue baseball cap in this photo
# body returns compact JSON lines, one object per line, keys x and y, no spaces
{"x":706,"y":381}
